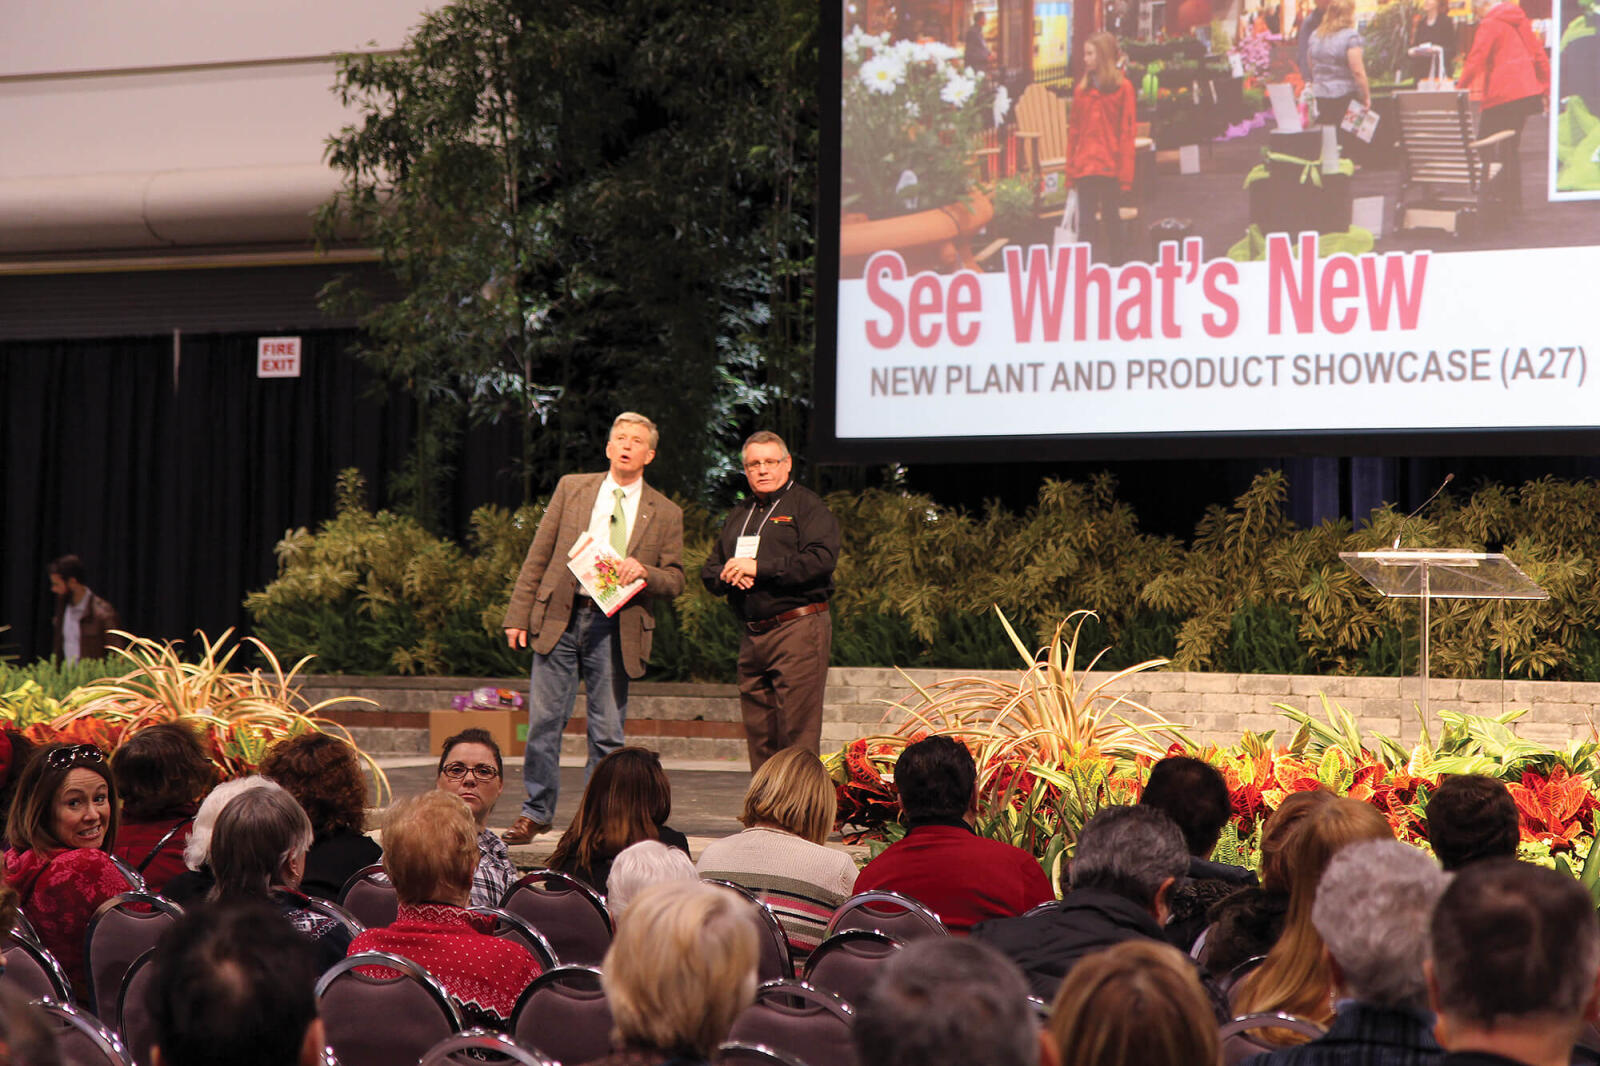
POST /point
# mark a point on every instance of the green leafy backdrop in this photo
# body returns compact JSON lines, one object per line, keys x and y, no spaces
{"x":1250,"y":592}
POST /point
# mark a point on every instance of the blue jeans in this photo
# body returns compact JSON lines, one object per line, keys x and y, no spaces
{"x":589,"y":649}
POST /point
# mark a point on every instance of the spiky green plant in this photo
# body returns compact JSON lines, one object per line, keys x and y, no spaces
{"x":243,"y":712}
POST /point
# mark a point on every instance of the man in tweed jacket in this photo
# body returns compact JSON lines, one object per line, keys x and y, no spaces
{"x":572,"y":638}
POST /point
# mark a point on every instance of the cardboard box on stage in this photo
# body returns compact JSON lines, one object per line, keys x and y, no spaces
{"x":508,"y":727}
{"x":1289,"y":200}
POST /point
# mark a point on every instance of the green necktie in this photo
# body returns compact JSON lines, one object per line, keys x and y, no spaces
{"x":619,"y":526}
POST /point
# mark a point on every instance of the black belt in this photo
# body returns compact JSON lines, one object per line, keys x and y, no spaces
{"x":776,"y":620}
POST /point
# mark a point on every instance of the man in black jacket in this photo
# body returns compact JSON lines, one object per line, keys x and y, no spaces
{"x":1193,"y":794}
{"x":1127,"y":862}
{"x":774,"y":561}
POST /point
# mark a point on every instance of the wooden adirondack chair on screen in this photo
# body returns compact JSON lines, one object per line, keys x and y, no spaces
{"x":1042,"y":135}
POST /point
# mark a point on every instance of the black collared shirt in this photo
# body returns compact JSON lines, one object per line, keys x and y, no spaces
{"x":794,"y":564}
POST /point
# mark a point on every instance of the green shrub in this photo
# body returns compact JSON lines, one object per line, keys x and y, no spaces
{"x":1251,"y":592}
{"x":56,"y":678}
{"x":1263,"y":638}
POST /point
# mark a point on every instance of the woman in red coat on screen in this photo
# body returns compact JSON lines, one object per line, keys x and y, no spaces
{"x":1100,"y":134}
{"x":1509,"y":66}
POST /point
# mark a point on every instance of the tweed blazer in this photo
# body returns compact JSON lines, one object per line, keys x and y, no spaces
{"x":541,"y":601}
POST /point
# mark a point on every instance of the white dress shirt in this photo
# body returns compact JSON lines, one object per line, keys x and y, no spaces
{"x":605,"y":503}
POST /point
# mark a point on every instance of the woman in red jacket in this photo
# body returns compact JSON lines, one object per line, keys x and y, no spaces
{"x":1100,"y":145}
{"x":1514,"y":72}
{"x":61,"y":828}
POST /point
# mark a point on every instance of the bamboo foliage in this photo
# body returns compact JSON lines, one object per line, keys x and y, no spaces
{"x":1251,"y":592}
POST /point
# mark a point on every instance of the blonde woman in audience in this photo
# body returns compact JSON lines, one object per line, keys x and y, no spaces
{"x":430,"y":851}
{"x":780,"y":856}
{"x":1295,"y":977}
{"x":62,"y":827}
{"x":638,"y":866}
{"x":1138,"y":1003}
{"x":1245,"y":925}
{"x":681,"y":968}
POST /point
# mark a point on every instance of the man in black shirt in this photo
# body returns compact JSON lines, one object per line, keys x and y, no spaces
{"x":774,"y":561}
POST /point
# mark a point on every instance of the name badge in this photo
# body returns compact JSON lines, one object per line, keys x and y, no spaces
{"x":745,"y":547}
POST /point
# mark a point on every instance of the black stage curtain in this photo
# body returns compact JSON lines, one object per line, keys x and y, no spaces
{"x":173,"y":478}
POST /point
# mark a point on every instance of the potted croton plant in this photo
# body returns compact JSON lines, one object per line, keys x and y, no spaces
{"x":912,"y":113}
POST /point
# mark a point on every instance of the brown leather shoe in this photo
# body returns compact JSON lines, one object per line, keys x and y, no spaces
{"x":523,"y":830}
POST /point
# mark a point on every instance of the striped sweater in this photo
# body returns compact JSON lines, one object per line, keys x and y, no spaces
{"x":802,"y":882}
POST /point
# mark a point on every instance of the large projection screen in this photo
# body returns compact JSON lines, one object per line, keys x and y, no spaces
{"x":944,"y":338}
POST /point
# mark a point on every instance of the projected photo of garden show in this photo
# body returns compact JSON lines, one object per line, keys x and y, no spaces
{"x":1379,"y":125}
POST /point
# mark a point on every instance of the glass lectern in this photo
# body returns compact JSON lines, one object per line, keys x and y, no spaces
{"x":1439,"y":574}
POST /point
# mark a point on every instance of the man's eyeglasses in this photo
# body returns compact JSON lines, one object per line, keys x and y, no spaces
{"x":61,"y":758}
{"x":762,"y":464}
{"x":457,"y":771}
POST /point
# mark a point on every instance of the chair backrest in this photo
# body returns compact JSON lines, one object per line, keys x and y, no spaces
{"x":134,"y":878}
{"x":33,"y":971}
{"x":1241,"y":1038}
{"x":1436,"y":135}
{"x":370,"y":896}
{"x":1041,"y":1009}
{"x":1230,"y":980}
{"x":564,"y":1014}
{"x":80,"y":1039}
{"x":777,"y":958}
{"x":572,"y":917}
{"x":134,"y":1024}
{"x":480,"y":1045}
{"x":798,"y":1020}
{"x":741,"y":1053}
{"x":1043,"y":112}
{"x":894,"y":913}
{"x":122,"y":928}
{"x":846,"y":963}
{"x":508,"y":926}
{"x":24,"y":926}
{"x":380,"y":1020}
{"x":329,"y":909}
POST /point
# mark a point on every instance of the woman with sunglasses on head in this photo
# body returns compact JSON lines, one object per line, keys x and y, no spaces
{"x":470,"y":766}
{"x":62,"y":826}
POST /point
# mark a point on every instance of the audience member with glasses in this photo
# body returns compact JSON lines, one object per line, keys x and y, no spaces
{"x":62,"y":826}
{"x":470,"y":766}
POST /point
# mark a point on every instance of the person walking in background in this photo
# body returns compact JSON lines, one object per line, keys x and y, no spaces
{"x":1100,"y":135}
{"x":572,"y":638}
{"x":1509,"y":67}
{"x":1303,"y":33}
{"x":977,"y":49}
{"x":83,"y":621}
{"x":1434,"y":26}
{"x":774,"y":561}
{"x":1338,"y":68}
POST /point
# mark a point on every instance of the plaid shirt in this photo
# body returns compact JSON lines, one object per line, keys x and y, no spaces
{"x":495,"y":872}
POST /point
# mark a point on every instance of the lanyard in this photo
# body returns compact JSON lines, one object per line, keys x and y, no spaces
{"x":751,"y":513}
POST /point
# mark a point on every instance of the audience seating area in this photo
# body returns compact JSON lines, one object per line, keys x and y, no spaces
{"x":562,"y":1017}
{"x":1061,"y":974}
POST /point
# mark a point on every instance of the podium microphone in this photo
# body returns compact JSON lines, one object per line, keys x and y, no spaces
{"x":1447,"y":479}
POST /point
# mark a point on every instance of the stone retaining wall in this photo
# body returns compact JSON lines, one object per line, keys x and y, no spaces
{"x":701,"y":722}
